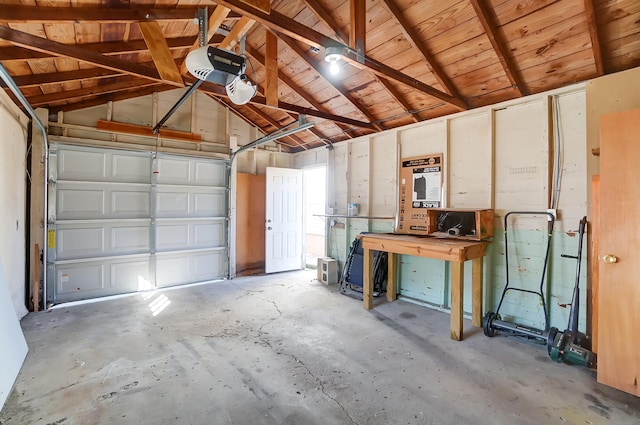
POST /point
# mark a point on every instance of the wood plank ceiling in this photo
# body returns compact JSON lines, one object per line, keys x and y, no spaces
{"x":404,"y":60}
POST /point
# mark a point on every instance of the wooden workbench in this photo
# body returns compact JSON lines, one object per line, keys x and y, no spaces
{"x":455,"y":251}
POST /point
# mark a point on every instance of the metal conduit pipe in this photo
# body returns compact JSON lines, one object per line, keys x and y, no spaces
{"x":4,"y":74}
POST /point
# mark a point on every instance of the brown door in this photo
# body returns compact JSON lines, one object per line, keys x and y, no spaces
{"x":619,"y":252}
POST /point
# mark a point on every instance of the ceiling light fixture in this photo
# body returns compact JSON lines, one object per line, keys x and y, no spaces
{"x":333,"y":55}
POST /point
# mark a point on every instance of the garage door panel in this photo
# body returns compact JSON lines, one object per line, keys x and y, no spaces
{"x":129,"y":203}
{"x":82,"y":165}
{"x":180,"y":268}
{"x":172,"y":269}
{"x":91,"y":201}
{"x":132,"y":169}
{"x":208,"y":265}
{"x":173,"y":171}
{"x":210,"y":174}
{"x":130,"y":276}
{"x":108,"y":237}
{"x":76,"y":281}
{"x":79,"y":277}
{"x":208,"y":234}
{"x":209,"y":204}
{"x":172,"y":236}
{"x":80,"y":242}
{"x":76,"y":202}
{"x":129,"y":240}
{"x":172,"y":204}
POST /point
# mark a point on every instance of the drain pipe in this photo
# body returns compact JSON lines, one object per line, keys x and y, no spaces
{"x":4,"y":74}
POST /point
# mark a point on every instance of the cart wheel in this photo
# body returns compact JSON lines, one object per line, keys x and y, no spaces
{"x":550,"y":338}
{"x":488,"y":324}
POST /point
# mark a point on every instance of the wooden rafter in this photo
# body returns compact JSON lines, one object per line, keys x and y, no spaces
{"x":271,"y":67}
{"x":358,"y":27}
{"x":237,"y":32}
{"x":43,"y":14}
{"x":33,"y":80}
{"x":78,"y":53}
{"x":160,"y":52}
{"x":69,"y":95}
{"x":412,"y":37}
{"x":313,"y":64}
{"x":111,"y":97}
{"x":593,"y":33}
{"x":328,"y":20}
{"x":112,"y":48}
{"x":281,"y":24}
{"x":324,"y":17}
{"x":298,"y":142}
{"x":218,"y":90}
{"x":214,"y":21}
{"x":499,"y":47}
{"x":293,"y":86}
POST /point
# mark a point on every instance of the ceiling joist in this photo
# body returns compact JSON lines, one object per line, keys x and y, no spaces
{"x":281,"y":24}
{"x":498,"y":46}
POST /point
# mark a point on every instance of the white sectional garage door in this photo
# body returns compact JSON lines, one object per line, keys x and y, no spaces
{"x":121,"y":221}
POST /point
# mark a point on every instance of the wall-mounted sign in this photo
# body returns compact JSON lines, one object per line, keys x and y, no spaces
{"x":420,"y":188}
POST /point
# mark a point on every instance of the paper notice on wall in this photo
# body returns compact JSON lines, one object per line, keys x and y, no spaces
{"x":420,"y":188}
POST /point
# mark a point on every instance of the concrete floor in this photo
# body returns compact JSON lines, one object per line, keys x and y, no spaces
{"x":285,"y":349}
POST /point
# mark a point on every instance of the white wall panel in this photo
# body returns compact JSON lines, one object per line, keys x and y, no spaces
{"x":423,"y":139}
{"x":522,"y":157}
{"x":470,"y":161}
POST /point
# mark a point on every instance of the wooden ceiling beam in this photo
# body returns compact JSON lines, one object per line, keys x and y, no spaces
{"x":593,"y":33}
{"x":160,"y":53}
{"x":297,"y":141}
{"x":326,"y":18}
{"x":219,"y":91}
{"x":282,"y":24}
{"x":238,"y":31}
{"x":33,"y":80}
{"x":43,"y":14}
{"x":271,"y":67}
{"x":414,"y":40}
{"x":358,"y":27}
{"x":111,"y":97}
{"x":78,"y":53}
{"x":499,"y":46}
{"x":330,"y":23}
{"x":68,"y":95}
{"x":214,"y":21}
{"x":313,"y":64}
{"x":293,"y":86}
{"x":112,"y":48}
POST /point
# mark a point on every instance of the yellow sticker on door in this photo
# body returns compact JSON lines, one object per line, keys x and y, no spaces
{"x":52,"y":239}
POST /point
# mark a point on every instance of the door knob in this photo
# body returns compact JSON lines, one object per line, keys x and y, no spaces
{"x":268,"y":228}
{"x":610,"y":259}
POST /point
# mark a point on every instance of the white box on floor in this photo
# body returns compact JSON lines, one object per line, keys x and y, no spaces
{"x":327,"y":270}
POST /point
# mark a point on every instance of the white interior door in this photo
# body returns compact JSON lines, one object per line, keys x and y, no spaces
{"x":283,"y":220}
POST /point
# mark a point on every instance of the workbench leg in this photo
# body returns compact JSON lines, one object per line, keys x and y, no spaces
{"x":367,"y":279}
{"x":476,"y":292}
{"x":457,"y":295}
{"x":392,"y":289}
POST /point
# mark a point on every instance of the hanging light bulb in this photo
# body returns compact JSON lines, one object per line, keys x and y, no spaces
{"x":333,"y":55}
{"x":334,"y":68}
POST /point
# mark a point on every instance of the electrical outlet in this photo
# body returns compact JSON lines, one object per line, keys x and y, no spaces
{"x":554,"y":212}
